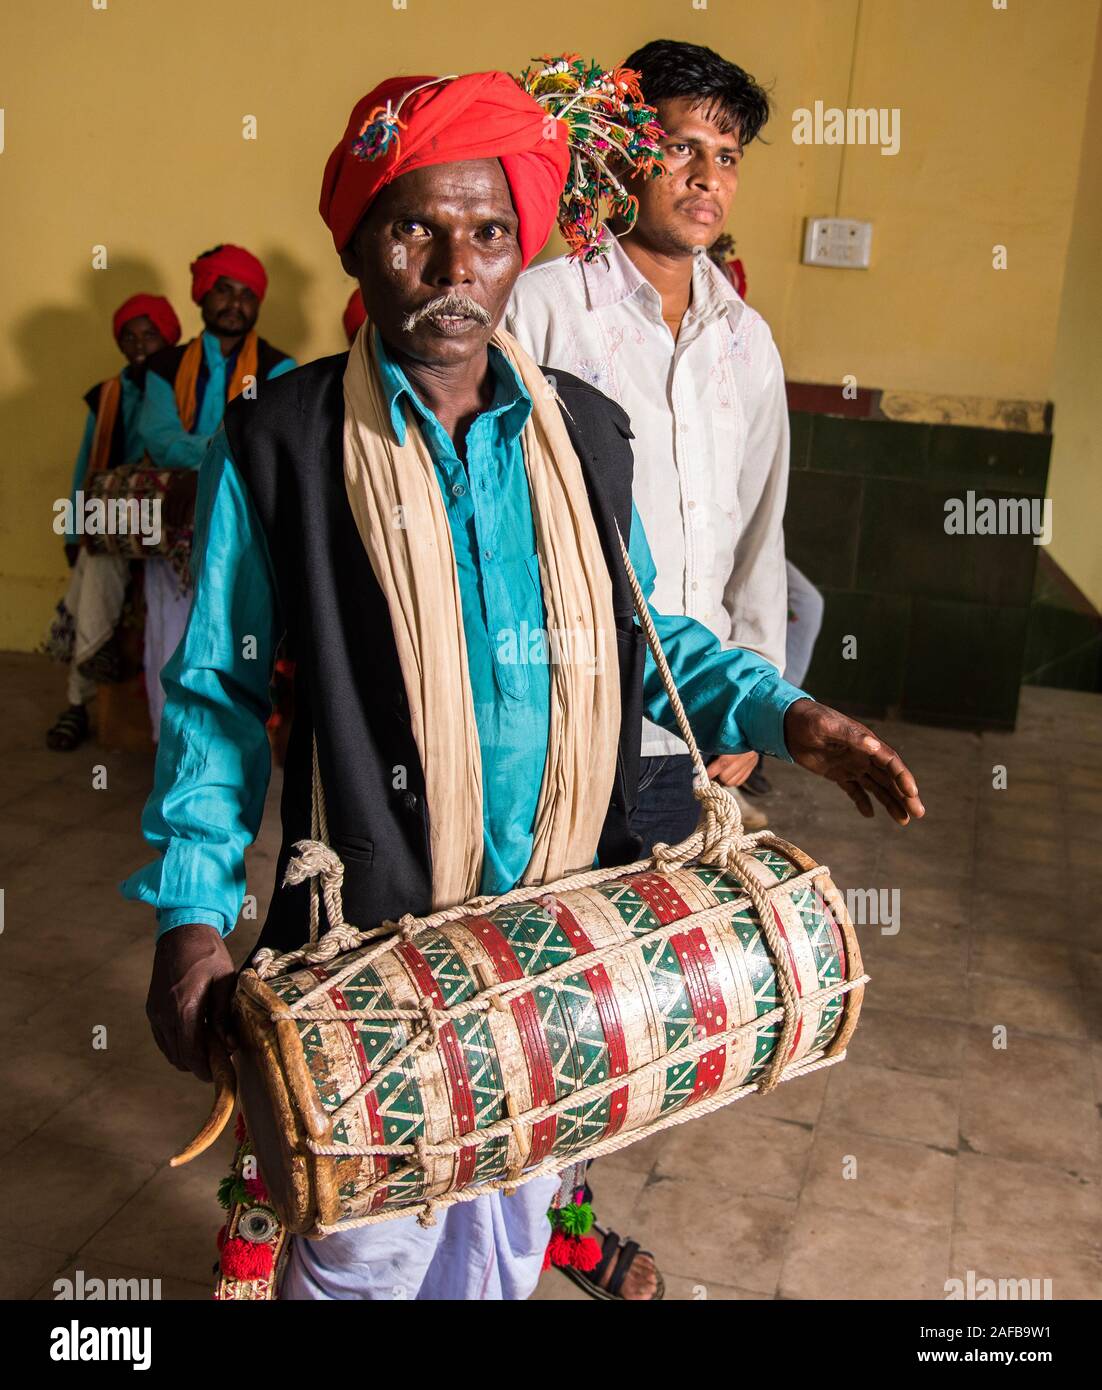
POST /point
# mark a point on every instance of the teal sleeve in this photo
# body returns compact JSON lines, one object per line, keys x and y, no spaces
{"x":213,"y":759}
{"x":163,"y":433}
{"x":80,"y":471}
{"x":735,"y":700}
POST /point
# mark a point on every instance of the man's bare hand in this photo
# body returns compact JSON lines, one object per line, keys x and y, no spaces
{"x":833,"y":746}
{"x":189,"y":995}
{"x":732,"y":769}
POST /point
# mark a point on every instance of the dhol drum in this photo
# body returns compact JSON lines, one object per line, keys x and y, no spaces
{"x":140,"y":500}
{"x":424,"y":1062}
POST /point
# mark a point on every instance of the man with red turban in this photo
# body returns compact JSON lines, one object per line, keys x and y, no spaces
{"x":409,"y":512}
{"x":186,"y":391}
{"x":89,"y":613}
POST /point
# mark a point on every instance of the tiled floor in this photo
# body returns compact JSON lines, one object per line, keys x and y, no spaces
{"x":960,"y":1155}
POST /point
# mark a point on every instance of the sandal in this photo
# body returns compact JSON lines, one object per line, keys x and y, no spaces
{"x":613,"y":1247}
{"x":70,"y":730}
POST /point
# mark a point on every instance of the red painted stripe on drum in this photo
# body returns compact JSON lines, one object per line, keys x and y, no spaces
{"x":371,"y":1103}
{"x":617,"y":1111}
{"x":698,"y":970}
{"x":533,"y":1040}
{"x":795,"y":976}
{"x":455,"y":1068}
{"x":661,"y":897}
{"x":604,"y":996}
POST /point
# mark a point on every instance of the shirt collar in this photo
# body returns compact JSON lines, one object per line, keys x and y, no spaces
{"x":213,"y":354}
{"x":614,"y":278}
{"x":511,"y":402}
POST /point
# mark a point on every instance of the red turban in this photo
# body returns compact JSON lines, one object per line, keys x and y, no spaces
{"x":354,"y":313}
{"x":156,"y":308}
{"x":484,"y":115}
{"x":235,"y":263}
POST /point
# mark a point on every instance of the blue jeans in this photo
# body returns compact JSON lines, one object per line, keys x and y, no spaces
{"x":666,"y":810}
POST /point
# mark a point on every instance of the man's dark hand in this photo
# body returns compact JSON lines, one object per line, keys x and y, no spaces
{"x":829,"y":744}
{"x":189,"y":995}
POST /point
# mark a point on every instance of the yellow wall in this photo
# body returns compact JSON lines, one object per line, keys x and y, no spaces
{"x":123,"y":127}
{"x":1075,"y":482}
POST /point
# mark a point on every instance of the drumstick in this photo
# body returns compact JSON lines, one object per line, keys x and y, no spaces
{"x":225,"y":1096}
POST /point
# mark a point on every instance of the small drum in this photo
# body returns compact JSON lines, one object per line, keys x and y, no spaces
{"x":389,"y":1072}
{"x":127,"y":494}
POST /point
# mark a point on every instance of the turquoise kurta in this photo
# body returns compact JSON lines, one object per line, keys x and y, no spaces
{"x":169,"y":444}
{"x":213,"y":760}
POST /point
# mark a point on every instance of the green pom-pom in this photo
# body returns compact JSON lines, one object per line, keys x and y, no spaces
{"x":232,"y":1190}
{"x":576,"y":1219}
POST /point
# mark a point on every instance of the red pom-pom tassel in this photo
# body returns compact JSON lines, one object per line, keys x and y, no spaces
{"x":242,"y":1259}
{"x":559,"y":1250}
{"x":586,"y":1254}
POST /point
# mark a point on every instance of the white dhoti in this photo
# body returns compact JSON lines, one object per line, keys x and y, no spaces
{"x":491,"y":1248}
{"x":94,"y":597}
{"x":166,"y":615}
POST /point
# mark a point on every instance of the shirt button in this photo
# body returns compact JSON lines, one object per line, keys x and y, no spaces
{"x":488,"y":554}
{"x":695,"y":586}
{"x":692,"y":506}
{"x":458,"y":490}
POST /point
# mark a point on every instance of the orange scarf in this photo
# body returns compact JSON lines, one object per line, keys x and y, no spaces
{"x":107,"y":412}
{"x":187,"y":378}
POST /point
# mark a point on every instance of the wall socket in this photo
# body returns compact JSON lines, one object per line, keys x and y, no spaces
{"x":838,"y":241}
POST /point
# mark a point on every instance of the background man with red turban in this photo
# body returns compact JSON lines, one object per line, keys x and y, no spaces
{"x":186,"y":391}
{"x":402,"y":511}
{"x":142,"y":326}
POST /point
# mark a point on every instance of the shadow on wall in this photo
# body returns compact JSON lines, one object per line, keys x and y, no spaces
{"x":283,"y":316}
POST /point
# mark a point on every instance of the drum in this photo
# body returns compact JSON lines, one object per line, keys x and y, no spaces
{"x":132,"y":496}
{"x":435,"y":1059}
{"x":387,"y":1073}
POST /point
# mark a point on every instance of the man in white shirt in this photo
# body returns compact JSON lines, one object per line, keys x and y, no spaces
{"x":657,"y":326}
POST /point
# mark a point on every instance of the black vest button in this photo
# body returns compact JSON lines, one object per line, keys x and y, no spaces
{"x":409,"y":801}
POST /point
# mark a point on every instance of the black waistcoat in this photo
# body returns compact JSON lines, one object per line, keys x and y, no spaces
{"x":117,"y":450}
{"x":349,"y":691}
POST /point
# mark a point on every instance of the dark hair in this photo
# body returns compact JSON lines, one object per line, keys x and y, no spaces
{"x":725,"y":93}
{"x":202,"y":256}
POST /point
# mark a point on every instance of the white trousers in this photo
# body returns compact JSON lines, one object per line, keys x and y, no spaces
{"x":491,"y":1248}
{"x":97,"y":588}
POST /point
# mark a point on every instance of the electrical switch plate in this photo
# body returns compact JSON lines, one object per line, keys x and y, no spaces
{"x":838,"y":241}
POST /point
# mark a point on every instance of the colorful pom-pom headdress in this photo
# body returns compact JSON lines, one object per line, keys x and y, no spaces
{"x":380,"y":130}
{"x":612,"y":133}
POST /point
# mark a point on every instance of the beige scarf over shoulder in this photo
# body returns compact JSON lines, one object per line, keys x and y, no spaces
{"x":397,"y":503}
